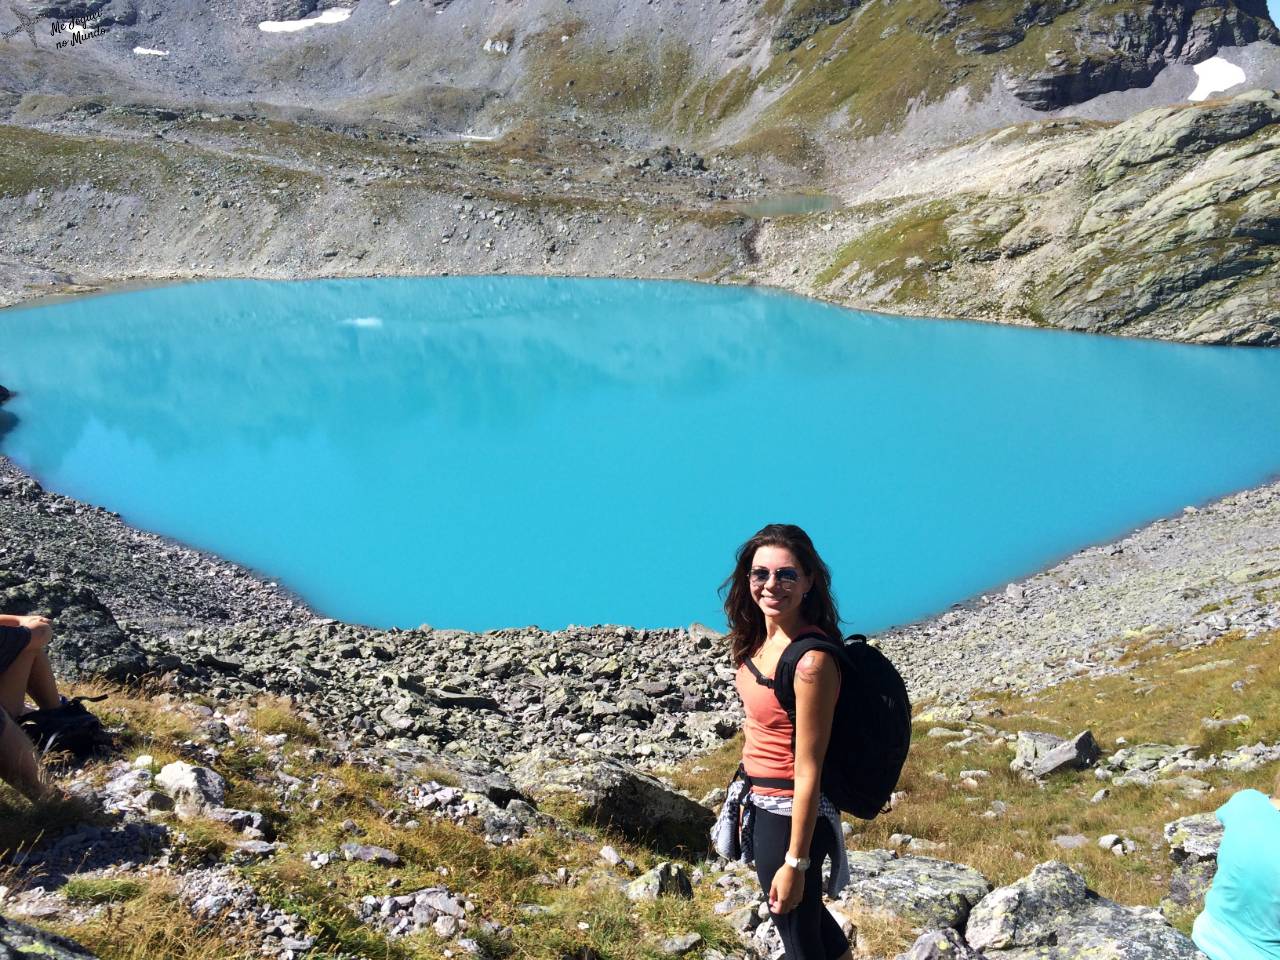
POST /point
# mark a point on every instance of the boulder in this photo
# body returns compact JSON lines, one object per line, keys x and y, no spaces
{"x":679,"y":946}
{"x":940,"y":945}
{"x":1193,"y":848}
{"x":87,"y":641}
{"x":610,"y":794}
{"x":1051,"y":914}
{"x":1143,"y":762}
{"x":368,"y":853}
{"x":1030,"y":747}
{"x":664,"y":880}
{"x":924,"y":891}
{"x":1079,"y":752}
{"x":1196,"y":837}
{"x":19,"y":941}
{"x":194,"y":789}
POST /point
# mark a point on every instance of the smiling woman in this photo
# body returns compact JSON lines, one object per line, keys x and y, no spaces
{"x":780,"y":589}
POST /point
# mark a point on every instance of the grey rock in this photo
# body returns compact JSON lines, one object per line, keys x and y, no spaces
{"x":614,"y":795}
{"x":1189,"y":882}
{"x":945,"y":944}
{"x":368,"y":853}
{"x":679,"y":946}
{"x":1079,"y":752}
{"x":254,"y":849}
{"x":1031,"y":747}
{"x":194,"y":789}
{"x":1196,"y":837}
{"x":1052,"y":915}
{"x":1193,"y":848}
{"x":664,"y":880}
{"x":20,"y":942}
{"x":88,"y":642}
{"x":924,"y":891}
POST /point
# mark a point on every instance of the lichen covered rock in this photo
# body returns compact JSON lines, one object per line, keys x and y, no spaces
{"x":1050,"y":914}
{"x":924,"y":891}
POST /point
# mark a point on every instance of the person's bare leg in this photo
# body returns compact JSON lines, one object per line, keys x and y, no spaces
{"x":18,"y":764}
{"x":41,"y":684}
{"x":13,"y":682}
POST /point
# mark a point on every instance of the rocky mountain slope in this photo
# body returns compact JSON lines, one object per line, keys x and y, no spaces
{"x":747,"y":66}
{"x":962,"y":142}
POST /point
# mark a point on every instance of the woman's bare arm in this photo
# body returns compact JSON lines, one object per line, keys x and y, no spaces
{"x":817,"y":686}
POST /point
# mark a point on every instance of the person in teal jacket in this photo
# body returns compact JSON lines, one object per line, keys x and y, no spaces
{"x":1241,"y":916}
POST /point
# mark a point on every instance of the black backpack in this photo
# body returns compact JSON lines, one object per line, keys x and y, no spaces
{"x":68,"y":728}
{"x":871,"y":730}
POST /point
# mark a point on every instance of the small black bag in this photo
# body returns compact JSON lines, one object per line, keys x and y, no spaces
{"x":871,"y":730}
{"x":68,"y":728}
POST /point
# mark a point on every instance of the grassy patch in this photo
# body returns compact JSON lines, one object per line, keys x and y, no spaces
{"x":199,"y":842}
{"x":101,"y":890}
{"x":882,"y":252}
{"x":152,"y":925}
{"x":632,"y":76}
{"x":291,"y":886}
{"x":275,"y":715}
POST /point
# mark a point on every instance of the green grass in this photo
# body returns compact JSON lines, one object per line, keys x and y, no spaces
{"x":101,"y":890}
{"x":292,"y":887}
{"x":154,"y":925}
{"x":882,"y":251}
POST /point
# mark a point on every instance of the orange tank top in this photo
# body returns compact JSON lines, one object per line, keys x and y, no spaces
{"x":767,"y":731}
{"x":766,"y":748}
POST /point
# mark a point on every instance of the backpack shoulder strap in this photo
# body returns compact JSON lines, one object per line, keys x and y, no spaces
{"x":785,"y":674}
{"x":760,"y":677}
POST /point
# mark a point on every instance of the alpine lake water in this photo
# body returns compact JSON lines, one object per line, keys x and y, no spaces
{"x":480,"y":452}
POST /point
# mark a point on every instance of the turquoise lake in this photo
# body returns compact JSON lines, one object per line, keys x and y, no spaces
{"x":502,"y":451}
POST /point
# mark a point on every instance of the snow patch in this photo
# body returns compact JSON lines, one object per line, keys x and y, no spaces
{"x":366,"y":322}
{"x":1213,"y":75}
{"x":149,"y":52}
{"x":336,"y":15}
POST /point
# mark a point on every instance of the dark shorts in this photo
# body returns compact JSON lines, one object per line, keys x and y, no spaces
{"x":13,"y":640}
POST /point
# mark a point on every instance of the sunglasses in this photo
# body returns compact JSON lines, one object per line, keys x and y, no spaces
{"x":784,"y":577}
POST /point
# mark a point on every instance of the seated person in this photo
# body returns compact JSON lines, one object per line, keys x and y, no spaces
{"x":1241,"y":916}
{"x":24,"y":669}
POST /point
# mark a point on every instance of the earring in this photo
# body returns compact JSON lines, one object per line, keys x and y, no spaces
{"x":805,"y":596}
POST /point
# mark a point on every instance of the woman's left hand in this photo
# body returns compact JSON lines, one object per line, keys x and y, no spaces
{"x":786,"y":889}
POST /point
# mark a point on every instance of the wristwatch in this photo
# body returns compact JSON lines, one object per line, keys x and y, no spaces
{"x":801,"y":863}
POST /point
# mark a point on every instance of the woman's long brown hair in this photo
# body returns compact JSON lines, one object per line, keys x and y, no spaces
{"x":746,"y":621}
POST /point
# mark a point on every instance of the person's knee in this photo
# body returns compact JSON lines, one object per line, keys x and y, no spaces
{"x":41,"y":635}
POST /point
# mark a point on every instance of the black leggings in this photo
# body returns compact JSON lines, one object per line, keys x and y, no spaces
{"x":808,"y":931}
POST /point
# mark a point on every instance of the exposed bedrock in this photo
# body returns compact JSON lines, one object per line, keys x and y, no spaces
{"x":1094,"y":49}
{"x":1164,"y":225}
